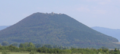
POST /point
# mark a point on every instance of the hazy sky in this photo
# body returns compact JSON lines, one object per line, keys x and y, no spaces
{"x":103,"y":13}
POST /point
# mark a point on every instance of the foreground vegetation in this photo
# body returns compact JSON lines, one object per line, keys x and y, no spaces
{"x":30,"y":48}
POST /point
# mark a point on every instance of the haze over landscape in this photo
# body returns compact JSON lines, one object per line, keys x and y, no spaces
{"x":59,"y":27}
{"x":102,"y":13}
{"x":80,"y":23}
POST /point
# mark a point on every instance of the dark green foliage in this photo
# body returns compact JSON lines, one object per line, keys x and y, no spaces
{"x":13,"y":48}
{"x":22,"y":45}
{"x":27,"y":45}
{"x":15,"y":44}
{"x":55,"y":29}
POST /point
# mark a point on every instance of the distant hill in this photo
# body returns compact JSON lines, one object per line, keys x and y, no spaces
{"x":111,"y":32}
{"x":55,"y":29}
{"x":3,"y":27}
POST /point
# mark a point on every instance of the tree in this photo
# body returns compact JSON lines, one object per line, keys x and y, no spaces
{"x":15,"y":44}
{"x":31,"y":45}
{"x":13,"y":48}
{"x":116,"y":51}
{"x":22,"y":45}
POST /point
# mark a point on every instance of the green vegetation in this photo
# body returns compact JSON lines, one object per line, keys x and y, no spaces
{"x":5,"y":52}
{"x":27,"y":49}
{"x":55,"y":29}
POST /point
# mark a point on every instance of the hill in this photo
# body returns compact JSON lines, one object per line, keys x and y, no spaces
{"x":3,"y":27}
{"x":55,"y":29}
{"x":111,"y":32}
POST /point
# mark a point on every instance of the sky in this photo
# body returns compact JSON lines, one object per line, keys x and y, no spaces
{"x":102,"y":13}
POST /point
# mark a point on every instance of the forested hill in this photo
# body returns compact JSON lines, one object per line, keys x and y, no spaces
{"x":55,"y":29}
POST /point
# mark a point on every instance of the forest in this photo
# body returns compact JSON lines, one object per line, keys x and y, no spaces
{"x":30,"y":48}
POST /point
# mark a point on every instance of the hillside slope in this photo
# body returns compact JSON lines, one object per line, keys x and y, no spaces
{"x":56,"y":29}
{"x":111,"y":32}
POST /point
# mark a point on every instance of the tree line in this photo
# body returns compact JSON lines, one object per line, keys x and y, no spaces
{"x":30,"y":47}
